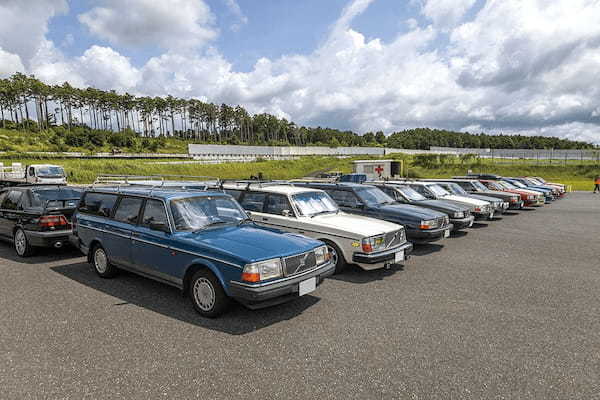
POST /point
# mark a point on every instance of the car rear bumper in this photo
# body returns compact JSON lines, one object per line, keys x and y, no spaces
{"x":383,"y":258}
{"x":462,"y":223}
{"x":49,"y":239}
{"x":255,"y":296}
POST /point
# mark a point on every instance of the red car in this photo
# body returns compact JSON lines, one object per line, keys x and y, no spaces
{"x":530,"y":198}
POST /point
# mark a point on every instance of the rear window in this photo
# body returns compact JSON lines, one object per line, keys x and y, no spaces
{"x":63,"y":197}
{"x":11,"y":202}
{"x":98,"y":204}
{"x":128,"y":210}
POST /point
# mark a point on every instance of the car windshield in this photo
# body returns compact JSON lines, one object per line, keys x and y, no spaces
{"x":456,"y":189}
{"x":373,"y":196}
{"x":196,"y":213}
{"x":519,"y":184}
{"x":507,"y":185}
{"x":50,"y":172}
{"x":411,"y":193}
{"x":479,"y":185}
{"x":496,"y":185}
{"x":313,"y":203}
{"x":438,"y":190}
{"x":59,"y":197}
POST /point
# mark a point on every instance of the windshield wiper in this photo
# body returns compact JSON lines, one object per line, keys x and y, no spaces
{"x":323,"y":212}
{"x":241,"y":221}
{"x":210,"y":224}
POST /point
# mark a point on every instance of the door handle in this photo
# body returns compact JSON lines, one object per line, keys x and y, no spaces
{"x":265,"y":219}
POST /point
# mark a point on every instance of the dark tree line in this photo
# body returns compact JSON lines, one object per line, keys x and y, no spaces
{"x":27,"y":103}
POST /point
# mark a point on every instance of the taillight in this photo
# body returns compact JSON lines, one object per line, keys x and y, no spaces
{"x":52,"y":221}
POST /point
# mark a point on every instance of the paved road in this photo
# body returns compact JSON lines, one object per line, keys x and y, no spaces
{"x":509,"y":310}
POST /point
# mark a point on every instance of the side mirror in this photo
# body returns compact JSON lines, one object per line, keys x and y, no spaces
{"x":159,"y":226}
{"x":249,"y":214}
{"x":286,"y":213}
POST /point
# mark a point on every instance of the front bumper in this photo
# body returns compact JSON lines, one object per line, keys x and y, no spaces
{"x":427,"y":235}
{"x":381,"y":259}
{"x":255,"y":296}
{"x":49,"y":239}
{"x":462,"y":223}
{"x":483,"y":215}
{"x":516,"y":206}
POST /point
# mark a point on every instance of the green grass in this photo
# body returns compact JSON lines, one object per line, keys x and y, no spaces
{"x":86,"y":170}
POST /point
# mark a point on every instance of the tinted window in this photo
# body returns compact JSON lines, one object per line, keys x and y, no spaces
{"x":128,"y":210}
{"x":344,"y":198}
{"x":276,"y":203}
{"x":60,"y":197}
{"x":11,"y":202}
{"x":154,"y":213}
{"x":234,"y":193}
{"x":253,"y":201}
{"x":98,"y":204}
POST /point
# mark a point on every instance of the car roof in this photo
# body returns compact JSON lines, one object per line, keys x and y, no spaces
{"x":334,"y":185}
{"x":279,"y":188}
{"x":159,"y":193}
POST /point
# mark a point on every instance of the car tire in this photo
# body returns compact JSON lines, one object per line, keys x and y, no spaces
{"x":21,"y":243}
{"x":207,"y":295}
{"x":102,"y":266}
{"x":336,"y":257}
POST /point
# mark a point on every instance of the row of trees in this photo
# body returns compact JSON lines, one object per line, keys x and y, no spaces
{"x":29,"y":104}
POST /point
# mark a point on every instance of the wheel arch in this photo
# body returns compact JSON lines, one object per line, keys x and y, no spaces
{"x":198,"y":265}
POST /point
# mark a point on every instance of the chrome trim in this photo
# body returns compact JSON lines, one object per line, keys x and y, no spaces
{"x":283,"y":279}
{"x":207,"y":257}
{"x":148,"y":242}
{"x":386,"y":252}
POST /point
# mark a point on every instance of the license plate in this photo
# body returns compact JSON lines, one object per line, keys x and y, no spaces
{"x":491,"y":215}
{"x":447,"y":233}
{"x":471,"y":223}
{"x":399,"y":256}
{"x":307,"y":286}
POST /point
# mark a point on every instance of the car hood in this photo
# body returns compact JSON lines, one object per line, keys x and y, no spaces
{"x":248,"y":243}
{"x":467,"y":200}
{"x":409,"y":211}
{"x":355,"y":225}
{"x":442,"y":205}
{"x":489,"y":199}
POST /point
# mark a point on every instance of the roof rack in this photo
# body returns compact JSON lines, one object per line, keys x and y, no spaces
{"x":250,"y":182}
{"x":153,"y":182}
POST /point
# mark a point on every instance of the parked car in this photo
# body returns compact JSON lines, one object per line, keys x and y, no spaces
{"x":353,"y":178}
{"x":558,"y":190}
{"x":37,"y":216}
{"x":431,"y":190}
{"x":547,"y":192}
{"x":367,"y":242}
{"x":473,"y":186}
{"x":561,"y":186}
{"x":422,"y":225}
{"x":498,"y":205}
{"x":201,"y":242}
{"x":459,"y":214}
{"x":528,"y":197}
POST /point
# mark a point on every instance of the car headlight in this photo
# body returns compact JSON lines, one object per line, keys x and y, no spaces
{"x":459,"y":214}
{"x":429,"y":224}
{"x":322,"y":255}
{"x":262,"y":270}
{"x":373,"y":243}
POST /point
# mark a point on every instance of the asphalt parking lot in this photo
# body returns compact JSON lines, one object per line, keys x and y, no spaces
{"x":508,"y":310}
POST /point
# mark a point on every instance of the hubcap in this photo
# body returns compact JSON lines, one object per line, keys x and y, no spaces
{"x":334,"y":255}
{"x":204,"y":294}
{"x":100,"y":261}
{"x":20,"y":242}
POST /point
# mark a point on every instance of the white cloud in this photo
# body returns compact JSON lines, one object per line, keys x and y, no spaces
{"x":446,"y":14}
{"x":23,"y":25}
{"x":9,"y":63}
{"x":236,"y":10}
{"x":107,"y":69}
{"x":170,"y":24}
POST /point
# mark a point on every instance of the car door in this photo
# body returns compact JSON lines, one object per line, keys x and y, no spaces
{"x":125,"y":217}
{"x":151,"y":253}
{"x":278,"y":213}
{"x":3,"y":222}
{"x":10,"y":211}
{"x":254,"y":202}
{"x":346,"y":200}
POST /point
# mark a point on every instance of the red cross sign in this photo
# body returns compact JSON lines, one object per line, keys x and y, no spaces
{"x":379,"y":170}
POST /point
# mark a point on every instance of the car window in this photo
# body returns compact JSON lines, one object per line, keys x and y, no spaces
{"x":3,"y":196}
{"x":98,"y":204}
{"x":154,"y":213}
{"x":277,"y":203}
{"x":253,"y":201}
{"x":344,"y":198}
{"x":11,"y":202}
{"x":59,"y":197}
{"x":128,"y":210}
{"x":234,"y":193}
{"x":197,"y":213}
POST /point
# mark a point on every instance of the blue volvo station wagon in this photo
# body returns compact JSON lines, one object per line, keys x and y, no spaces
{"x":201,"y":242}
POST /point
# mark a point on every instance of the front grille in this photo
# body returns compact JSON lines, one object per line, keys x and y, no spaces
{"x":441,"y":221}
{"x":393,"y":239}
{"x":301,"y":262}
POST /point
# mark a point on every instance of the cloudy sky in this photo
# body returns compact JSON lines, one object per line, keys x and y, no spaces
{"x":514,"y":66}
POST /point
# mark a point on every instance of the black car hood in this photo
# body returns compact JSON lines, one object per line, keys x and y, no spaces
{"x":408,"y":212}
{"x":441,"y":205}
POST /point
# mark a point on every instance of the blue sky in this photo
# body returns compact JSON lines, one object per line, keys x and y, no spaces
{"x":471,"y":65}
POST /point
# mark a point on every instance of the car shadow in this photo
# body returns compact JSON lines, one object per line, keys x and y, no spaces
{"x":131,"y":289}
{"x":458,"y":234}
{"x":41,"y":255}
{"x":478,"y":225}
{"x":425,"y":249}
{"x":509,"y":213}
{"x":354,"y":274}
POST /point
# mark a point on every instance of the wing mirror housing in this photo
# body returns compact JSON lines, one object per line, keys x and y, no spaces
{"x":286,"y":213}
